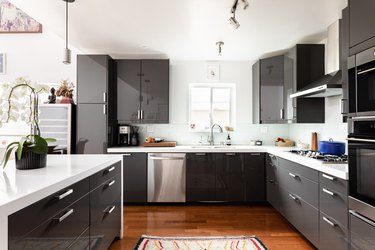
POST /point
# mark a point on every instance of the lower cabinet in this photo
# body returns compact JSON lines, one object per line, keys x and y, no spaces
{"x":135,"y":177}
{"x":361,"y":234}
{"x":233,"y":177}
{"x":84,"y":215}
{"x":333,"y":235}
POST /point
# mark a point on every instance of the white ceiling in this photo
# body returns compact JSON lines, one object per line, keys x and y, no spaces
{"x":189,"y":29}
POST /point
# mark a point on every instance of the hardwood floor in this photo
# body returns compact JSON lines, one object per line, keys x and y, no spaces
{"x":210,"y":220}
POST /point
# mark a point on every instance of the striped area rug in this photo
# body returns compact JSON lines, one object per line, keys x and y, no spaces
{"x":200,"y":243}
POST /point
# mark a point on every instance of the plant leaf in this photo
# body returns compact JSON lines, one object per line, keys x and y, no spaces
{"x":7,"y":153}
{"x":40,"y":145}
{"x":50,"y":139}
{"x":20,"y":147}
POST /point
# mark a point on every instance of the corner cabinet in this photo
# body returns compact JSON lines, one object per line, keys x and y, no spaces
{"x":84,"y":215}
{"x":143,"y":91}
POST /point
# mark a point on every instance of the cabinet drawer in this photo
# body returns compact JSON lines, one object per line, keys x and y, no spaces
{"x":298,"y":168}
{"x":104,"y":175}
{"x":334,"y":183}
{"x":25,"y":220}
{"x":83,"y":241}
{"x":297,"y":184}
{"x":333,"y":235}
{"x":271,"y":159}
{"x":58,"y":232}
{"x":301,"y":214}
{"x":362,"y":234}
{"x":334,"y":204}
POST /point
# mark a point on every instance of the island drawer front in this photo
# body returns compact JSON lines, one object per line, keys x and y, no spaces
{"x":334,"y":183}
{"x":22,"y":222}
{"x":62,"y":229}
{"x":334,"y":204}
{"x":298,"y":168}
{"x":299,"y":185}
{"x":271,"y":159}
{"x":104,"y":175}
{"x":333,"y":235}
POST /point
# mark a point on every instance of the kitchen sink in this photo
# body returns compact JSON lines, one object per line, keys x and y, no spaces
{"x":212,"y":147}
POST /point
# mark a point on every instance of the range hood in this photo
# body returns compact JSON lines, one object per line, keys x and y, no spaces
{"x":328,"y":85}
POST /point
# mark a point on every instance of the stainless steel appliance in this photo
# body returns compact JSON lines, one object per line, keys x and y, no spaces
{"x":361,"y":148}
{"x":166,"y":180}
{"x":124,"y":135}
{"x":325,"y":158}
{"x":361,"y":76}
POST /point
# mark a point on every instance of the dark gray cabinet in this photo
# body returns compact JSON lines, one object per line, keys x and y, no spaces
{"x":143,"y":91}
{"x":273,"y":190}
{"x":307,"y":62}
{"x":362,"y":34}
{"x":235,"y":177}
{"x":135,"y":177}
{"x":361,"y":233}
{"x":270,"y":90}
{"x":96,"y":95}
{"x":344,"y":54}
{"x":333,"y":235}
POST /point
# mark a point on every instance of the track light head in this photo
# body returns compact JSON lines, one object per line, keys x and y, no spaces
{"x":233,"y":21}
{"x":219,"y":44}
{"x":245,"y":4}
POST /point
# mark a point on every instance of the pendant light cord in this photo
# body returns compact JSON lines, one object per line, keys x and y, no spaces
{"x":66,"y":25}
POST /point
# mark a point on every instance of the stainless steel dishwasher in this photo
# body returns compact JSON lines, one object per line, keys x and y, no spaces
{"x":166,"y":177}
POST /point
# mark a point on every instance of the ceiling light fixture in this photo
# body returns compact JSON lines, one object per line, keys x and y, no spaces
{"x":233,"y":21}
{"x":219,"y":44}
{"x":67,"y":52}
{"x":245,"y":4}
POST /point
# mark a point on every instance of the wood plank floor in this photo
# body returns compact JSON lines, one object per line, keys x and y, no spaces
{"x":210,"y":220}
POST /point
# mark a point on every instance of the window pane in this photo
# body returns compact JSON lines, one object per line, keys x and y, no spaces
{"x":221,"y":100}
{"x":200,"y":105}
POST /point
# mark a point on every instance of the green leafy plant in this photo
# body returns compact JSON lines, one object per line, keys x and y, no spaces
{"x":19,"y":101}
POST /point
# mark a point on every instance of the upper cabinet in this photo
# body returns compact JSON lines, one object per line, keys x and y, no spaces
{"x":344,"y":53}
{"x":269,"y":91}
{"x":361,"y":22}
{"x":143,"y":91}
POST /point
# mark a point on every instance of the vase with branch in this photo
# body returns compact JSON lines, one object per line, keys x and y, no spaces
{"x":19,"y":100}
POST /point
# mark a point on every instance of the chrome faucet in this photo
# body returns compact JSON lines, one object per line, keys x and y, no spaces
{"x":212,"y":133}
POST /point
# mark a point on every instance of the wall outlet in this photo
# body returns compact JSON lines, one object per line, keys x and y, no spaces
{"x":150,"y":129}
{"x":263,"y":130}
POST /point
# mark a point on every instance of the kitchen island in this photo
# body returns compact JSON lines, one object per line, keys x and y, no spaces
{"x":22,"y":191}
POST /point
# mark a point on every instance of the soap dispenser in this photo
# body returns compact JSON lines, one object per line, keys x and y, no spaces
{"x":228,"y":141}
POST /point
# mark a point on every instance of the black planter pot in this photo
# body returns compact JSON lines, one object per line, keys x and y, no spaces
{"x":31,"y":160}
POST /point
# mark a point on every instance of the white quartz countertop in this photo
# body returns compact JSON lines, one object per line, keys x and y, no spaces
{"x":336,"y":170}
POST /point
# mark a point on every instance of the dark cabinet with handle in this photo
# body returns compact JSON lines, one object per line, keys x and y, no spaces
{"x":255,"y":174}
{"x":143,"y":91}
{"x":135,"y":177}
{"x":96,"y":95}
{"x":344,"y":53}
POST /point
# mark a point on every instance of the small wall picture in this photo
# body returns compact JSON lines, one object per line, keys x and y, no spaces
{"x":2,"y":63}
{"x":213,"y":72}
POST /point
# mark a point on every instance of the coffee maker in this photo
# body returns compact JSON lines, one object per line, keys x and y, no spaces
{"x":124,"y":135}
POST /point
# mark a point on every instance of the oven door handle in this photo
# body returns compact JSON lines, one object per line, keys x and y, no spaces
{"x":361,"y":140}
{"x":365,"y":71}
{"x":361,"y":217}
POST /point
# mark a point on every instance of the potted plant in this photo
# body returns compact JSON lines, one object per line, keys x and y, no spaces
{"x":19,"y":101}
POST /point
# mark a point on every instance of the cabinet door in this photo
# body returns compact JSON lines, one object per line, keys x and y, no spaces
{"x":344,"y":53}
{"x":230,"y":177}
{"x":92,"y":78}
{"x":135,"y":177}
{"x":362,"y":234}
{"x":128,"y":90}
{"x":361,"y":20}
{"x":272,"y":89}
{"x":200,"y":177}
{"x":91,"y":129}
{"x":332,"y":235}
{"x":255,"y":177}
{"x":155,"y":91}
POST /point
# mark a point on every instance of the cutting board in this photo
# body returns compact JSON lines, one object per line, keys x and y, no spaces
{"x":160,"y":144}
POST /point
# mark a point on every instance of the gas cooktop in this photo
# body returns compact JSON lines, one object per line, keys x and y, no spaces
{"x":326,"y":159}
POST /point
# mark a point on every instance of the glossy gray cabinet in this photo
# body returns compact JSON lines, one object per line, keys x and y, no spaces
{"x":255,"y":177}
{"x":344,"y":54}
{"x":96,"y":108}
{"x":135,"y":177}
{"x":361,"y":234}
{"x":270,"y":90}
{"x":333,"y":235}
{"x":143,"y":91}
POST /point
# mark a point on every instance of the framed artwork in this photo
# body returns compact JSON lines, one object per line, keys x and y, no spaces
{"x":213,"y":72}
{"x":14,"y":20}
{"x":2,"y":63}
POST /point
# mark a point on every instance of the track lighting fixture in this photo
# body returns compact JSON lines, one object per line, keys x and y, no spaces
{"x":245,"y":4}
{"x":67,"y":52}
{"x":233,"y":21}
{"x":219,"y":44}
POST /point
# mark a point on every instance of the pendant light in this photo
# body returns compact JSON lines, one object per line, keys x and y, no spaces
{"x":67,"y":52}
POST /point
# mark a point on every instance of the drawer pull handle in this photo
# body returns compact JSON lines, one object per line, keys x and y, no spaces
{"x":255,"y":154}
{"x":62,"y":196}
{"x":329,"y":177}
{"x":271,"y":181}
{"x":110,"y":210}
{"x":111,"y":183}
{"x":272,"y":157}
{"x":294,"y":175}
{"x":295,"y":198}
{"x":332,"y":224}
{"x":111,"y":169}
{"x":328,"y":192}
{"x":200,"y":154}
{"x":230,"y":154}
{"x":361,"y":217}
{"x":66,"y":215}
{"x":127,"y":154}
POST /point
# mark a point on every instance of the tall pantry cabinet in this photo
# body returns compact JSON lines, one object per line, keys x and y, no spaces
{"x":96,"y":109}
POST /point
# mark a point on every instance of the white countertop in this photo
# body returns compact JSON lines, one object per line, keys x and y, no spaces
{"x":20,"y":188}
{"x":337,"y":170}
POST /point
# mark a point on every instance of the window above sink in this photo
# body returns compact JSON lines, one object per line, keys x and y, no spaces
{"x":211,"y":103}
